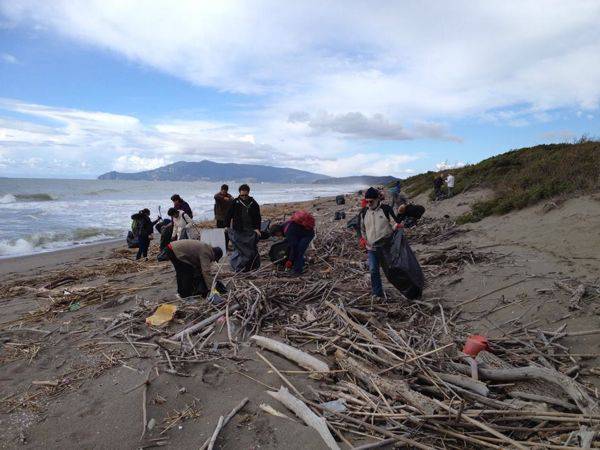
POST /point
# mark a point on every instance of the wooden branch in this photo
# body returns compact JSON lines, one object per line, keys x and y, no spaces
{"x":393,"y":387}
{"x":202,"y":324}
{"x":309,"y":418}
{"x":464,"y":382}
{"x":301,"y":358}
{"x":210,"y":442}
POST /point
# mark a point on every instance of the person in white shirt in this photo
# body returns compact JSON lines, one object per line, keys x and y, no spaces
{"x":450,"y":184}
{"x":181,"y":224}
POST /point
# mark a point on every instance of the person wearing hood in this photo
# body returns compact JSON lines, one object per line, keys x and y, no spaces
{"x":377,"y":225}
{"x":181,"y":205}
{"x":192,"y":260}
{"x":142,"y":228}
{"x":223,"y":201}
{"x":243,"y":220}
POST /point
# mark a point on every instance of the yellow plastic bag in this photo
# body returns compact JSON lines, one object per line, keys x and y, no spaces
{"x":163,"y":314}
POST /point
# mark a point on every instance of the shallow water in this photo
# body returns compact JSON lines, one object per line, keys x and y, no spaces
{"x":47,"y":214}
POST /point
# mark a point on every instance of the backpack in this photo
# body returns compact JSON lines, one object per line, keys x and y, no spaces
{"x":304,"y":219}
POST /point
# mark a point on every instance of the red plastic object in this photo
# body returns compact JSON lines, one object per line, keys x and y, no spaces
{"x":363,"y":203}
{"x":475,"y":343}
{"x":362,"y":242}
{"x":304,"y":218}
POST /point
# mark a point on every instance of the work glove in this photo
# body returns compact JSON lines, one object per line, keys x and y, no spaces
{"x":362,"y":242}
{"x":288,"y":264}
{"x":398,"y":226}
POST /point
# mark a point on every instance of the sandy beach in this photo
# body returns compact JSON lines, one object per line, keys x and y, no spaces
{"x":76,"y":353}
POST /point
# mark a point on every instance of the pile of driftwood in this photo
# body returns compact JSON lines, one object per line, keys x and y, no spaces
{"x":388,"y":371}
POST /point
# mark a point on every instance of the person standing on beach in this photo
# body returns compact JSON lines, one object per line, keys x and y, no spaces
{"x":243,"y":222}
{"x":143,"y":231}
{"x":181,"y":205}
{"x":377,"y":224}
{"x":223,"y":202}
{"x":438,"y":182}
{"x":450,"y":184}
{"x":181,"y":224}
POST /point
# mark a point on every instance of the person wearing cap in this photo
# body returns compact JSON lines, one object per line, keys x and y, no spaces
{"x":192,"y":260}
{"x":377,"y":225}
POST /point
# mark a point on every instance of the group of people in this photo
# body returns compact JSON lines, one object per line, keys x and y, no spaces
{"x":438,"y":183}
{"x":241,"y":220}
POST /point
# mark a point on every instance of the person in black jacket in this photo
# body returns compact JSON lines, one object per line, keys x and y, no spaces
{"x":181,"y":205}
{"x":243,"y":220}
{"x":143,"y":231}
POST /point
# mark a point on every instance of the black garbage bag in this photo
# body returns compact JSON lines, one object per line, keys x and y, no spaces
{"x":340,"y":200}
{"x":339,"y":215}
{"x":279,"y":251}
{"x":132,"y":240}
{"x":401,"y":267}
{"x":245,"y":255}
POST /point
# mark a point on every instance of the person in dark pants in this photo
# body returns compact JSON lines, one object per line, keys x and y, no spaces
{"x":165,"y":228}
{"x":223,"y":202}
{"x":143,"y":230}
{"x":181,"y":205}
{"x":191,"y":260}
{"x":438,"y":182}
{"x":298,"y":237}
{"x":243,"y":222}
{"x":377,"y":225}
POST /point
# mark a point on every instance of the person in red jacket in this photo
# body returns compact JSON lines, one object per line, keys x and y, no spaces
{"x":299,"y":232}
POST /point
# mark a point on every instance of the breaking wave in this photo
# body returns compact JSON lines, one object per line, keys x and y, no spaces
{"x":47,"y":241}
{"x":10,"y":198}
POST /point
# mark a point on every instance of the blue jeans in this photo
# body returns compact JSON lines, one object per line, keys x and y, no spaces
{"x":298,"y":252}
{"x":376,"y":286}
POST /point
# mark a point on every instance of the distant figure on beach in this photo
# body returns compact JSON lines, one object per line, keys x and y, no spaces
{"x":223,"y":202}
{"x":450,"y":184}
{"x":181,"y":224}
{"x":299,"y":231}
{"x":192,"y":260}
{"x":438,"y":182}
{"x":377,"y":224}
{"x":142,"y":228}
{"x":182,"y":205}
{"x":398,"y":199}
{"x":243,"y":222}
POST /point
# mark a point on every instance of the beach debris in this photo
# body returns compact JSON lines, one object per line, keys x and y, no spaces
{"x":301,"y":358}
{"x":223,"y":421}
{"x":270,"y":410}
{"x":163,"y":315}
{"x":299,"y":408}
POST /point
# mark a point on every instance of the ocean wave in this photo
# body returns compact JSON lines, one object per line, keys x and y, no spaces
{"x":13,"y":198}
{"x":102,"y":191}
{"x":51,"y":240}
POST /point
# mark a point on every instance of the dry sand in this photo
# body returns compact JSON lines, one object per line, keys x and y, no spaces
{"x":531,"y":247}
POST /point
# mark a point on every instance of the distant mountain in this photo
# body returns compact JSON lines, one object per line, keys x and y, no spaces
{"x":367,"y":180}
{"x":212,"y":171}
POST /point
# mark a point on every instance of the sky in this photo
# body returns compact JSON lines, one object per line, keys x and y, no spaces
{"x":338,"y":87}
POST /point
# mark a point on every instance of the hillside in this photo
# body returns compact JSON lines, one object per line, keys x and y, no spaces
{"x":522,"y":177}
{"x":366,"y":180}
{"x":212,"y":171}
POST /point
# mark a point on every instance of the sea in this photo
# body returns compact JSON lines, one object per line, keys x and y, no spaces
{"x":42,"y":215}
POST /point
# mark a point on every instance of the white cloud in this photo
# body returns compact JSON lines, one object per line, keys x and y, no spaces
{"x":558,"y":136}
{"x":134,"y":163}
{"x":447,"y":166}
{"x":377,"y":127}
{"x":8,"y":58}
{"x":405,"y":61}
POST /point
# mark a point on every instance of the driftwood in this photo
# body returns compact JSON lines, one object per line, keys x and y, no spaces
{"x":464,"y":382}
{"x":301,"y":358}
{"x":302,"y":411}
{"x":202,"y":324}
{"x":395,"y":388}
{"x":210,"y":442}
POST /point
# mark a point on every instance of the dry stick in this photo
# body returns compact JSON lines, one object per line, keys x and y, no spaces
{"x":203,"y":323}
{"x":223,"y":421}
{"x":491,"y":292}
{"x":482,"y":426}
{"x":144,"y":410}
{"x":285,"y":380}
{"x":415,"y":358}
